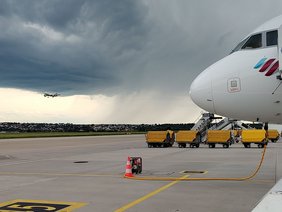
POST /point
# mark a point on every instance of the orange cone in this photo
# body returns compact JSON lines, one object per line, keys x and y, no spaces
{"x":128,"y":169}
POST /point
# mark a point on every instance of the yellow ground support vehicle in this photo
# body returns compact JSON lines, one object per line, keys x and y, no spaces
{"x":191,"y":137}
{"x":219,"y":137}
{"x":254,"y":136}
{"x":273,"y":135}
{"x":160,"y":138}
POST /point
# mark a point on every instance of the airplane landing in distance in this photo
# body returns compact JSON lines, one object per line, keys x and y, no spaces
{"x":51,"y":95}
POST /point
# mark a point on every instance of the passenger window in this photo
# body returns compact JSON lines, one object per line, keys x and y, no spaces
{"x":254,"y":42}
{"x":271,"y":38}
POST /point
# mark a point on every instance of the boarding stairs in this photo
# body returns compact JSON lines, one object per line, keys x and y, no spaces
{"x":242,"y":125}
{"x":204,"y":122}
{"x":202,"y":125}
{"x":222,"y":124}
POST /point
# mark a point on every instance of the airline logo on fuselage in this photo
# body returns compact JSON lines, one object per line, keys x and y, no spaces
{"x":268,"y":65}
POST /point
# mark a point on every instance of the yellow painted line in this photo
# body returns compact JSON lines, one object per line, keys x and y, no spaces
{"x":153,"y":193}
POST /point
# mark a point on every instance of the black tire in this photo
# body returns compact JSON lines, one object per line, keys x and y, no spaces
{"x":149,"y":146}
{"x":247,"y":145}
{"x":197,"y":145}
{"x":211,"y":145}
{"x":192,"y":146}
{"x":183,"y":145}
{"x":225,"y":145}
{"x":179,"y":145}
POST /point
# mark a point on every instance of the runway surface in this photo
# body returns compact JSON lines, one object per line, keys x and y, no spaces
{"x":43,"y":174}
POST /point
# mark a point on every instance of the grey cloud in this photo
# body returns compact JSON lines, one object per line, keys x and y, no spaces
{"x":105,"y":34}
{"x":109,"y":46}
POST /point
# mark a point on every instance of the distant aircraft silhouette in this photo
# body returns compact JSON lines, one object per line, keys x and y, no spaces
{"x":51,"y":95}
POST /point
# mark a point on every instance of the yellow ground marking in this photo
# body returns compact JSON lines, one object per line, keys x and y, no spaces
{"x":59,"y":174}
{"x":29,"y":205}
{"x":153,"y":193}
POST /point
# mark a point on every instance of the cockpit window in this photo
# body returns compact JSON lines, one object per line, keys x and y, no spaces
{"x":271,"y":38}
{"x":253,"y":42}
{"x":239,"y":46}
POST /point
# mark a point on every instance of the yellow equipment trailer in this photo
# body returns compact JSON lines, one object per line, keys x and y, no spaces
{"x":219,"y":137}
{"x":160,"y":138}
{"x":273,"y":135}
{"x":191,"y":137}
{"x":254,"y":136}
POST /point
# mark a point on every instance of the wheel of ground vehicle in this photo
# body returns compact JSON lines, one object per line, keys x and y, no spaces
{"x":149,"y":145}
{"x":247,"y":145}
{"x":211,"y":145}
{"x":179,"y":145}
{"x":274,"y":141}
{"x":192,"y":146}
{"x":225,"y":145}
{"x":184,"y":145}
{"x":197,"y":145}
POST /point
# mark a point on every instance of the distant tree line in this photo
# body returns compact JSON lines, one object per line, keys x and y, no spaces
{"x":157,"y":127}
{"x":68,"y":127}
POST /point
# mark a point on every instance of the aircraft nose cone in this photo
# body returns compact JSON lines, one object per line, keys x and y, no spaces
{"x":201,"y":92}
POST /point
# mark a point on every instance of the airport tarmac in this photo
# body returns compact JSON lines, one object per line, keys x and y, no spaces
{"x":43,"y":173}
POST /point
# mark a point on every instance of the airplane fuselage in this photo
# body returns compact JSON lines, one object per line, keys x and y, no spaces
{"x":244,"y":84}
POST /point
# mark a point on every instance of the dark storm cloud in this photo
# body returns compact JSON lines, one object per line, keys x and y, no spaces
{"x":69,"y":46}
{"x":110,"y":46}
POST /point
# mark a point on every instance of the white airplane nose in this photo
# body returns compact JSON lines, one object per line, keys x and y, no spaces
{"x":201,"y":92}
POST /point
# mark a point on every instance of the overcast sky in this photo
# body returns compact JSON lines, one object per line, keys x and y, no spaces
{"x":115,"y":61}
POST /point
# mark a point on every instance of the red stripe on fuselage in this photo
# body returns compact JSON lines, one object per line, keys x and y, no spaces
{"x":266,"y":65}
{"x":272,"y":69}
